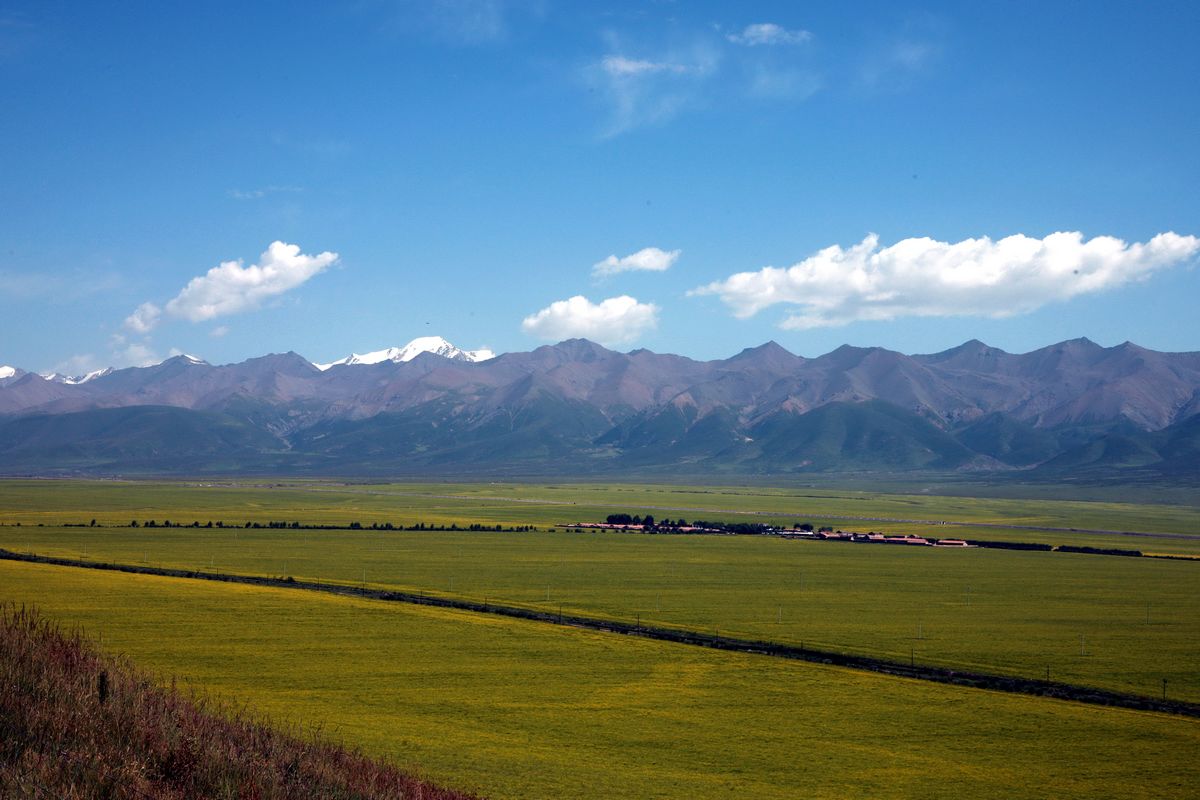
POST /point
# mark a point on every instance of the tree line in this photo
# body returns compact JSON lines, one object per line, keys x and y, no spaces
{"x":301,"y":526}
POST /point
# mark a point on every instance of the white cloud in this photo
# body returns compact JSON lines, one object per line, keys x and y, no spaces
{"x":135,"y":354}
{"x":143,"y":319}
{"x":617,"y":320}
{"x":79,"y":364}
{"x":768,"y":33}
{"x":258,"y":194}
{"x":124,"y":353}
{"x":620,"y":66}
{"x":648,"y":258}
{"x":651,"y":91}
{"x":896,"y":65}
{"x":922,"y":277}
{"x":219,"y":331}
{"x":230,"y":288}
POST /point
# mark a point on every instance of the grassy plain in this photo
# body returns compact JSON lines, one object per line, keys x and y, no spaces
{"x":523,"y":710}
{"x":996,"y":611}
{"x":1118,"y":623}
{"x":321,"y":502}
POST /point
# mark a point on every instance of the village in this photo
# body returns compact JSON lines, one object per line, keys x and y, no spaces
{"x":647,"y":524}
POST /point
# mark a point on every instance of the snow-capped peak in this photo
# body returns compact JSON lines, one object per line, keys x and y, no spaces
{"x":72,"y":380}
{"x":423,"y":344}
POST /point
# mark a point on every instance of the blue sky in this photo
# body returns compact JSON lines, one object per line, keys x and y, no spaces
{"x":462,"y":168}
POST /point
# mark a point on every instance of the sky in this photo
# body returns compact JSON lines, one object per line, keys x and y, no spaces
{"x":230,"y":180}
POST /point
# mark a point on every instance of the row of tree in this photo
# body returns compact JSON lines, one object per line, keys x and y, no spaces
{"x":352,"y":526}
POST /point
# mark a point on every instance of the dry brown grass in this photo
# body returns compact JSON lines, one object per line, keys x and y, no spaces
{"x":76,"y":723}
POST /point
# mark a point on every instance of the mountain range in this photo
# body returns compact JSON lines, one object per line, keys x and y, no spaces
{"x":1068,"y":410}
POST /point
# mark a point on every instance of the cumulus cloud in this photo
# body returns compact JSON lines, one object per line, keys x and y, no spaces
{"x":143,"y":319}
{"x":617,"y":320}
{"x":923,"y":277}
{"x":650,"y":259}
{"x":230,"y":287}
{"x":768,"y":33}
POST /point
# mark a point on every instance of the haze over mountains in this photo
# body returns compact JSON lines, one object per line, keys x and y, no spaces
{"x":1070,"y":409}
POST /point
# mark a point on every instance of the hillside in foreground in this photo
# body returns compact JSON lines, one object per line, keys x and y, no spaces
{"x":78,"y":724}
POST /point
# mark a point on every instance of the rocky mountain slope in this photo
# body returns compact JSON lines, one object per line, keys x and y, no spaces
{"x":1070,"y":408}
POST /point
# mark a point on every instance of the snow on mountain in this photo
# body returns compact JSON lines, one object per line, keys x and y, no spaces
{"x":10,"y":375}
{"x":73,"y":380}
{"x":424,"y":344}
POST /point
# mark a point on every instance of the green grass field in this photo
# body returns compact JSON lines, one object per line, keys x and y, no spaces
{"x":1117,"y":623}
{"x":516,"y":709}
{"x":58,"y":502}
{"x":990,"y":610}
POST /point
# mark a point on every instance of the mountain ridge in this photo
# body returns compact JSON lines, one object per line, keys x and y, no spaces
{"x":422,"y":344}
{"x":1071,"y":406}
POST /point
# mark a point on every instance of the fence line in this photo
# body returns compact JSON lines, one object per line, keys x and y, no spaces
{"x":909,"y":669}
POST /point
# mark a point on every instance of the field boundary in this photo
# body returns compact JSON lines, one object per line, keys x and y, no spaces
{"x":925,"y":672}
{"x":546,"y":501}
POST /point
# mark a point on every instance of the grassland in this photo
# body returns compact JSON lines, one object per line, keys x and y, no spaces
{"x":1117,"y":623}
{"x":32,"y":502}
{"x":522,"y":710}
